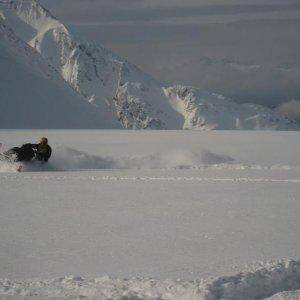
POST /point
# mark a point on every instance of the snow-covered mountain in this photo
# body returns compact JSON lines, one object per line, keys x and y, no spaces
{"x":122,"y":92}
{"x":33,"y":93}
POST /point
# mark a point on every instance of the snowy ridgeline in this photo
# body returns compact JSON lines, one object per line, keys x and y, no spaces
{"x":70,"y":83}
{"x":277,"y":280}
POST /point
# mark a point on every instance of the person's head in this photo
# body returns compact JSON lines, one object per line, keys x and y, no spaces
{"x":44,"y":141}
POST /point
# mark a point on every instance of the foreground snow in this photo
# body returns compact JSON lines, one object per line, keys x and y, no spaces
{"x":162,"y":205}
{"x":264,"y":280}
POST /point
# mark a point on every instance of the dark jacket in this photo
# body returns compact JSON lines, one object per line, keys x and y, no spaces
{"x":23,"y":153}
{"x":42,"y":152}
{"x":29,"y":151}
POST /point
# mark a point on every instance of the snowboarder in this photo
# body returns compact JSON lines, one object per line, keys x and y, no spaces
{"x":27,"y":152}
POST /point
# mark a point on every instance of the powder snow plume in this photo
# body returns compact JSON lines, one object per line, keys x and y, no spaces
{"x":69,"y":159}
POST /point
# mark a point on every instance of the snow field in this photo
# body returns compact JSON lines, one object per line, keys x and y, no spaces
{"x":152,"y":207}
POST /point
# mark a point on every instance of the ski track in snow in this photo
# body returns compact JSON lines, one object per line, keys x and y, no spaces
{"x":261,"y":281}
{"x":144,"y":178}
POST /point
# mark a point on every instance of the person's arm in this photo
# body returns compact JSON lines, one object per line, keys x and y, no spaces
{"x":48,"y":154}
{"x":43,"y":154}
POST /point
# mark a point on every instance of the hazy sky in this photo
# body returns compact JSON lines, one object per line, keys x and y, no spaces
{"x":169,"y":11}
{"x":245,"y":49}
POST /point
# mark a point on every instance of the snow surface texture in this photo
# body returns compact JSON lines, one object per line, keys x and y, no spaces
{"x":118,"y":89}
{"x":264,"y":280}
{"x":152,"y":206}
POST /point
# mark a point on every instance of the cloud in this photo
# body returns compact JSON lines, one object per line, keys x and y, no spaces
{"x":291,"y":109}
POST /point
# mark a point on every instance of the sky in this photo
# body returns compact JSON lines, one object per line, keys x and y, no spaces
{"x":166,"y":11}
{"x":244,"y":49}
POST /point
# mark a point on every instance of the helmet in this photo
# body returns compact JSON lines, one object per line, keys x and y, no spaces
{"x":44,"y":141}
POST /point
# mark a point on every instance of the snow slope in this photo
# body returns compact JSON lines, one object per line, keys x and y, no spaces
{"x":123,"y":92}
{"x":202,"y":110}
{"x":165,"y":209}
{"x":33,"y":93}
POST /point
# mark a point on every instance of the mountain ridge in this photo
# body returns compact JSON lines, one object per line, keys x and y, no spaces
{"x":33,"y":93}
{"x":120,"y":90}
